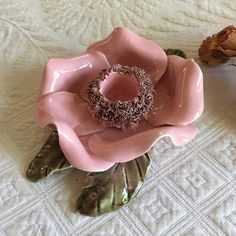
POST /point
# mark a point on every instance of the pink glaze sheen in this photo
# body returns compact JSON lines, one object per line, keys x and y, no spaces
{"x":68,"y":108}
{"x":72,"y":74}
{"x":89,"y":146}
{"x":77,"y":151}
{"x":121,"y":146}
{"x":125,"y":47}
{"x":179,"y":94}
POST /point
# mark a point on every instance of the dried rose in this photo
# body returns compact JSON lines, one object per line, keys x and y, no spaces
{"x":218,"y":48}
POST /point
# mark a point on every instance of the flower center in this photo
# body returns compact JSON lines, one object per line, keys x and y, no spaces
{"x":119,"y":87}
{"x":121,"y":96}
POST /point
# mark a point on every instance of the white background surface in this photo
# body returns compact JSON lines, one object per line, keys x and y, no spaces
{"x":190,"y":190}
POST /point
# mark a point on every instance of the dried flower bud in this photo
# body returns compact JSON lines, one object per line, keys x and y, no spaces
{"x":218,"y":48}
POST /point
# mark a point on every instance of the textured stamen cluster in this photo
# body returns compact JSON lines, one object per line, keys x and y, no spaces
{"x":121,"y":114}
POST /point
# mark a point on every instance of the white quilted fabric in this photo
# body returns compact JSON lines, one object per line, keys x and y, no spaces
{"x":190,"y":190}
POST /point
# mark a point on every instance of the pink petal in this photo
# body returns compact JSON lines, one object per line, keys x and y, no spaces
{"x":72,"y":74}
{"x":179,"y":94}
{"x":75,"y":150}
{"x":125,"y":47}
{"x":120,"y":146}
{"x":68,"y":108}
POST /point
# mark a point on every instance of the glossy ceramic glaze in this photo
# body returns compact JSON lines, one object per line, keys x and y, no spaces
{"x":88,"y":146}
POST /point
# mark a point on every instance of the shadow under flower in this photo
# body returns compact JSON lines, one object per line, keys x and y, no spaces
{"x":220,"y":95}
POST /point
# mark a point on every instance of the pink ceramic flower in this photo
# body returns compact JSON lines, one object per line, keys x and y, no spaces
{"x":88,"y":145}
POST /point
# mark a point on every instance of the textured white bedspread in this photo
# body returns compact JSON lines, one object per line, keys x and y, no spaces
{"x":190,"y":190}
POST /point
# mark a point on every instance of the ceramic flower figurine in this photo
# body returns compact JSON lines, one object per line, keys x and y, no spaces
{"x":218,"y":48}
{"x":113,"y":102}
{"x":108,"y":107}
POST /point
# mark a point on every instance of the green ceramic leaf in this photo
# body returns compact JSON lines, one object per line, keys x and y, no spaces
{"x":176,"y":52}
{"x":50,"y":159}
{"x":109,"y":190}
